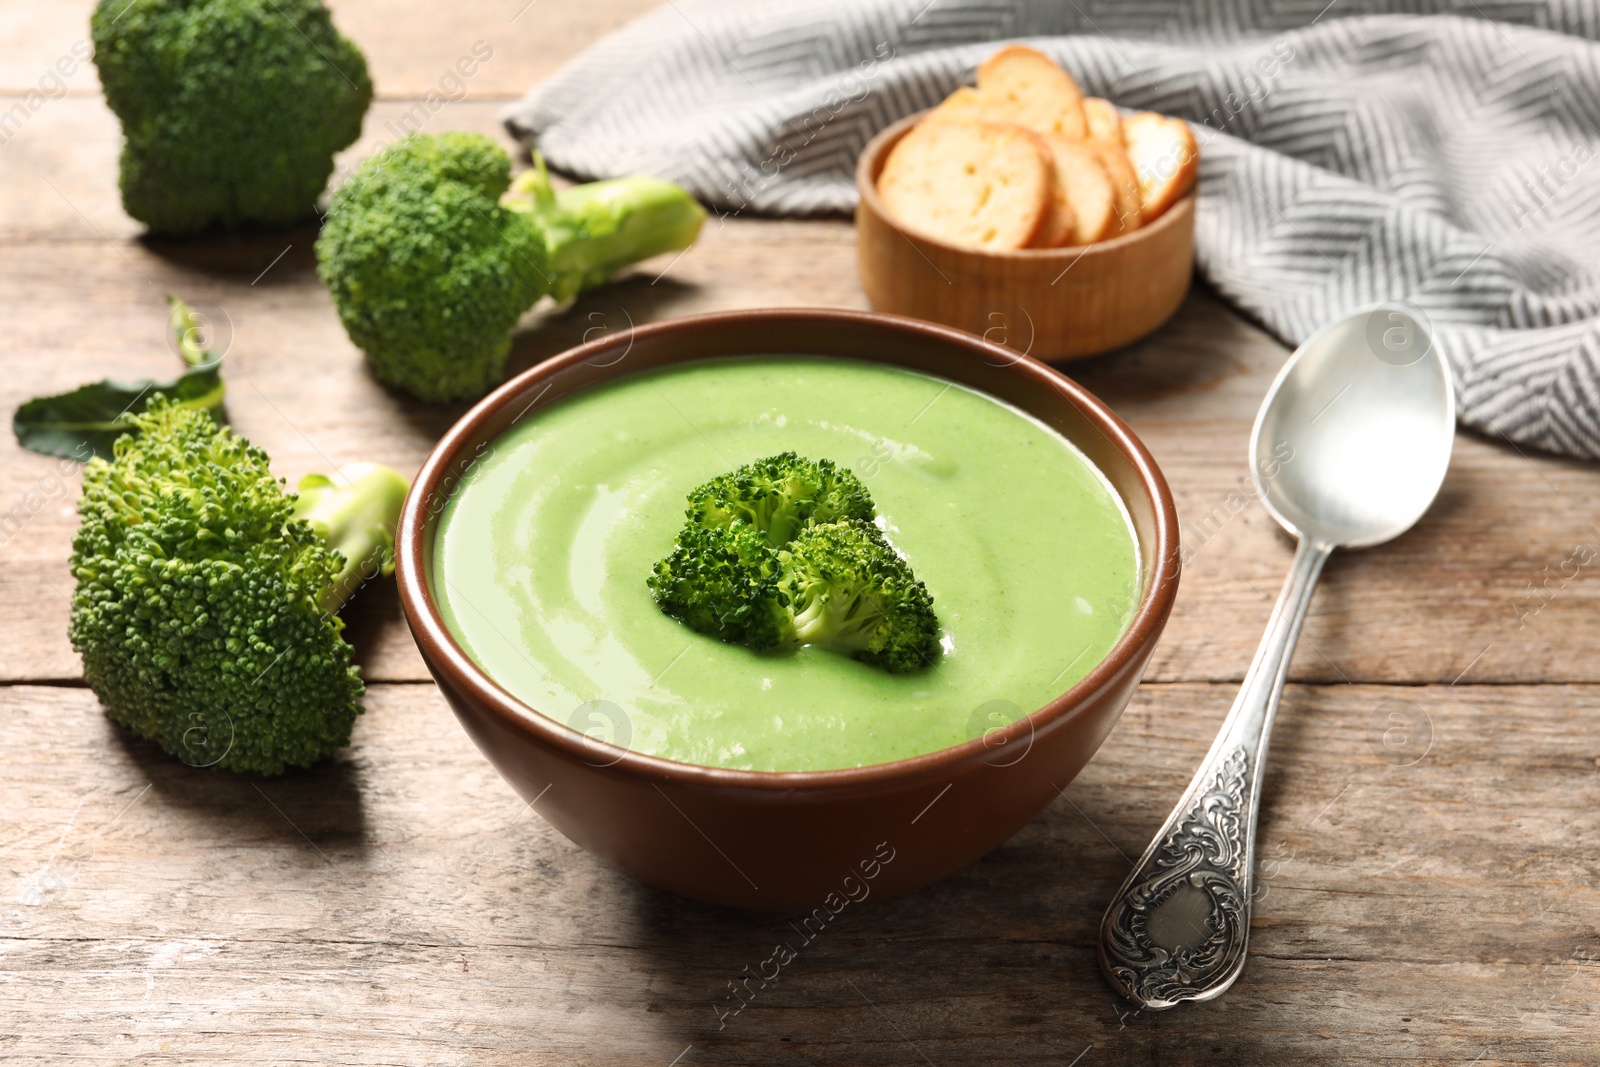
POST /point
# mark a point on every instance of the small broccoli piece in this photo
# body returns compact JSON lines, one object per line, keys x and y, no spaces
{"x":205,"y":592}
{"x":432,"y":254}
{"x":231,"y":110}
{"x":781,"y":494}
{"x":783,"y":552}
{"x":723,"y":582}
{"x":845,"y":587}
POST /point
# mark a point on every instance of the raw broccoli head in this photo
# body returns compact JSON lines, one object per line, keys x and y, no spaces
{"x":428,"y":271}
{"x":783,"y":552}
{"x":845,"y":587}
{"x":231,"y":110}
{"x":781,"y":494}
{"x":432,"y":254}
{"x":200,"y":607}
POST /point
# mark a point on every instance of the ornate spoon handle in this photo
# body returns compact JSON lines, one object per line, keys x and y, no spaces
{"x":1177,"y":928}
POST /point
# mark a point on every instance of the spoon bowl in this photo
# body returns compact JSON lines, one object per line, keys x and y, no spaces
{"x":1353,"y":439}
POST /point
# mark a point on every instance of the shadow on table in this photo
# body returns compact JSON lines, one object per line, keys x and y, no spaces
{"x":993,"y":964}
{"x":261,"y":256}
{"x":317,"y":809}
{"x":1179,"y":360}
{"x":609,"y":311}
{"x":371,"y":613}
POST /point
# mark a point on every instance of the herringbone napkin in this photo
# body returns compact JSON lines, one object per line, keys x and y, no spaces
{"x":1348,"y":156}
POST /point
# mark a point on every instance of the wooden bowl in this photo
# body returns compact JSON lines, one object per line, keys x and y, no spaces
{"x":794,"y":840}
{"x":1050,"y":303}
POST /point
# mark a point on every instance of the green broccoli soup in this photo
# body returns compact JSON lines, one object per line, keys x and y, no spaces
{"x":545,"y":546}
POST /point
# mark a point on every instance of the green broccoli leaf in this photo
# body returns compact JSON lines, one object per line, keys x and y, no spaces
{"x":93,"y":416}
{"x":97,"y":414}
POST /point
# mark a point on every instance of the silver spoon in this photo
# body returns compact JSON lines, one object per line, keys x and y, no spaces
{"x":1349,"y":449}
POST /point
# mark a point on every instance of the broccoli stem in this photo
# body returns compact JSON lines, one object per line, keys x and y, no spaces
{"x":355,"y":516}
{"x":618,"y":222}
{"x":188,"y":331}
{"x":594,"y":230}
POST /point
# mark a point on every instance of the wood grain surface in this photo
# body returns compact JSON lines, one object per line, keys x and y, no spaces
{"x":1430,"y":841}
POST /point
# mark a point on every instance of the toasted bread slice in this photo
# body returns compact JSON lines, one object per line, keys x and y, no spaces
{"x":1083,"y":177}
{"x":1037,"y":93}
{"x":966,"y":104}
{"x":980,"y":184}
{"x":1127,"y":206}
{"x":1166,"y":158}
{"x":1060,"y":223}
{"x":1103,"y":119}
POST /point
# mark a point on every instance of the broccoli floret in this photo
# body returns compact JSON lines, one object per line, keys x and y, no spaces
{"x":723,"y":582}
{"x":432,"y":254}
{"x":428,"y":272}
{"x":231,"y":110}
{"x":783,"y":552}
{"x":779,"y":495}
{"x":845,"y":587}
{"x":205,"y":593}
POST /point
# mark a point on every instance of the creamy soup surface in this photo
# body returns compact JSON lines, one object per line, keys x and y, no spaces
{"x":544,"y":546}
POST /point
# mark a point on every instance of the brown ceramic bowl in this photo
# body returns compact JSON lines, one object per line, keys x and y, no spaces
{"x":1050,"y":303}
{"x":787,"y":840}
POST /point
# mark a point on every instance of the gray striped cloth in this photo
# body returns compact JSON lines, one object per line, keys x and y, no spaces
{"x":1444,"y":156}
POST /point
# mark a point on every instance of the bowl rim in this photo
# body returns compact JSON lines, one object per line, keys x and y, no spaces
{"x":871,"y":159}
{"x":449,"y":662}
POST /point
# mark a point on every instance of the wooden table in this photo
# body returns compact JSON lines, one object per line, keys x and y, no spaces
{"x":1430,"y":842}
